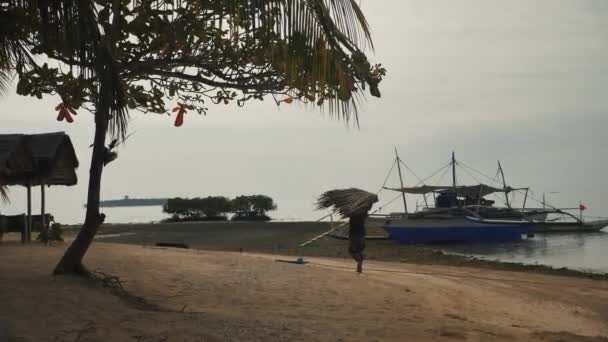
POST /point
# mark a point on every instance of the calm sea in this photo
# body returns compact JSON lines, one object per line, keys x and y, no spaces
{"x":587,"y":252}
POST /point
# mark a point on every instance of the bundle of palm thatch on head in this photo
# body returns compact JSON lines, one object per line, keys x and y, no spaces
{"x":347,"y":202}
{"x":3,"y":193}
{"x":3,"y":190}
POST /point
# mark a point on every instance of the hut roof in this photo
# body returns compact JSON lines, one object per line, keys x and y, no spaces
{"x":14,"y":156}
{"x":36,"y":159}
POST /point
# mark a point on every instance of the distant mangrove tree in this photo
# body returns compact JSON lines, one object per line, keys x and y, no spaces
{"x":217,"y":208}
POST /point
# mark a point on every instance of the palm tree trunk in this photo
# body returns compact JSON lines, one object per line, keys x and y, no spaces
{"x":71,"y":262}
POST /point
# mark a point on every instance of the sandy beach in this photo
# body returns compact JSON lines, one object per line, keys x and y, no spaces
{"x":194,"y":295}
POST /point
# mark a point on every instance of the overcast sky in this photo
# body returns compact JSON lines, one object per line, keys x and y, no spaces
{"x":521,"y":81}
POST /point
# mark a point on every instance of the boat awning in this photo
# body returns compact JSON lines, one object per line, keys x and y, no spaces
{"x":420,"y":190}
{"x":461,"y":190}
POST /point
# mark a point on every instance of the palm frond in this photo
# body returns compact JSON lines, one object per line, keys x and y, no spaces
{"x":10,"y":49}
{"x":322,"y":59}
{"x":65,"y":28}
{"x":315,"y":46}
{"x":4,"y":194}
{"x":347,"y":202}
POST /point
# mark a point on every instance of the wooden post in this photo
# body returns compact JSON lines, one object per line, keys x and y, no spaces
{"x":43,"y":228}
{"x":28,"y":234}
{"x":24,"y":229}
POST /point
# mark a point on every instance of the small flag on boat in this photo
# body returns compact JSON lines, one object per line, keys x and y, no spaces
{"x":582,"y":206}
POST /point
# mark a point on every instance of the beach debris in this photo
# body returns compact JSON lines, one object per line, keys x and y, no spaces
{"x":172,"y":244}
{"x":298,"y":261}
{"x":115,"y":285}
{"x":88,"y":327}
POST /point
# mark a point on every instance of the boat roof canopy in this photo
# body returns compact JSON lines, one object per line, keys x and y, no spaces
{"x":461,"y":190}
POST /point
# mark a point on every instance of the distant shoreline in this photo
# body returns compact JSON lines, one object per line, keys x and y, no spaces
{"x":132,"y":202}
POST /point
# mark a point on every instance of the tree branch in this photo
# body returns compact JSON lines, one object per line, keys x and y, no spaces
{"x":270,"y":85}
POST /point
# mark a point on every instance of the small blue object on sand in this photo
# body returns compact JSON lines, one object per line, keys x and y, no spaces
{"x":298,"y":261}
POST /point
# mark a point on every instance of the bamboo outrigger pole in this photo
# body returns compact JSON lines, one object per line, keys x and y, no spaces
{"x":401,"y":181}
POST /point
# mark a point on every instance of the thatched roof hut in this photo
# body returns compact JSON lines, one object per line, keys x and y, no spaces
{"x":37,"y":159}
{"x":15,"y":158}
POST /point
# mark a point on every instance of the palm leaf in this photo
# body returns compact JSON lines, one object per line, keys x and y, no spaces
{"x":65,"y":28}
{"x":323,"y":54}
{"x":313,"y":48}
{"x":347,"y":202}
{"x":10,"y":50}
{"x":4,"y":193}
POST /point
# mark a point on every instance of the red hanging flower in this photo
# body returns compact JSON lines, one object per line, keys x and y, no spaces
{"x":181,"y":110}
{"x":287,"y":100}
{"x":65,"y":112}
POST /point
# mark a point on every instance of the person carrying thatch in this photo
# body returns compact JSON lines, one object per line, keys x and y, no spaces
{"x":354,"y":204}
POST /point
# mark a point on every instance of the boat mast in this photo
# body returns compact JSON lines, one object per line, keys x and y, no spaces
{"x":454,"y":177}
{"x":401,"y":181}
{"x":504,"y":184}
{"x":544,"y":203}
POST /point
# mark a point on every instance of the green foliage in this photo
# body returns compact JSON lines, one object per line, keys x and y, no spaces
{"x":217,"y":206}
{"x":158,"y":53}
{"x":252,"y":207}
{"x":209,"y":207}
{"x":181,"y":207}
{"x":241,"y":203}
{"x":260,"y":203}
{"x":213,"y":206}
{"x":54,"y":233}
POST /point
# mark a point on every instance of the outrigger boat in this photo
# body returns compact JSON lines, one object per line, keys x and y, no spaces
{"x":466,"y":229}
{"x":461,"y":213}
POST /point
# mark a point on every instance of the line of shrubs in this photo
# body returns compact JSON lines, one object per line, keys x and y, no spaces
{"x":217,"y":208}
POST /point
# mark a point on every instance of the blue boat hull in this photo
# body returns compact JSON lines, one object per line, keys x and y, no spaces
{"x":460,"y":231}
